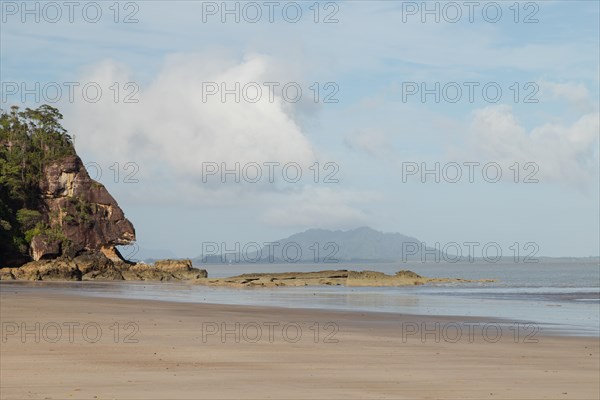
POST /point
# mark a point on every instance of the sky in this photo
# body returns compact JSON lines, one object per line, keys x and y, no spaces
{"x":245,"y":122}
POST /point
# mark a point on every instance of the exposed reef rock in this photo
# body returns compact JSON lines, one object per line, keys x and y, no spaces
{"x":96,"y":266}
{"x":336,"y":277}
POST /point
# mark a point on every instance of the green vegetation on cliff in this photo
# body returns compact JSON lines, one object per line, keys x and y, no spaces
{"x":29,"y":140}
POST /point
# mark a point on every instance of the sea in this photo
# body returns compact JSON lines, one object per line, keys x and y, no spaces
{"x":560,"y":296}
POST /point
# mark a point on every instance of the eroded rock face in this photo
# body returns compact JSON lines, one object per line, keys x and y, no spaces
{"x":44,"y":247}
{"x":82,"y":211}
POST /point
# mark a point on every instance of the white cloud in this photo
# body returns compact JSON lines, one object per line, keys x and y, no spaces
{"x":172,"y":131}
{"x":173,"y":127}
{"x":564,"y":153}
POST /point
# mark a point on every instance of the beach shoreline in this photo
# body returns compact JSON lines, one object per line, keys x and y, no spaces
{"x":127,"y":348}
{"x":551,"y":316}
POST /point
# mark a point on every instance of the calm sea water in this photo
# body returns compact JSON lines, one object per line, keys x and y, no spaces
{"x":561,"y":296}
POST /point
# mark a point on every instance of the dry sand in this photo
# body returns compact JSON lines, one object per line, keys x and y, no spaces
{"x":181,"y":354}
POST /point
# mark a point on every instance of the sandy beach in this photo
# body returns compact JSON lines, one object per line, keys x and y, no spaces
{"x":75,"y":347}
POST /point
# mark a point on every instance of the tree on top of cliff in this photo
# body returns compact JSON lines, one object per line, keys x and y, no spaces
{"x":29,"y":140}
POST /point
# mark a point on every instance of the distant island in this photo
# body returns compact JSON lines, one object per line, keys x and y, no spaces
{"x":364,"y":245}
{"x":326,"y":246}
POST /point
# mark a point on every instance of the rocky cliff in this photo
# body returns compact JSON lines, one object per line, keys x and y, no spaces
{"x":86,"y":216}
{"x":55,"y":222}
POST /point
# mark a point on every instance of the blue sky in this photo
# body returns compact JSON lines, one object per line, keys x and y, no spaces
{"x":371,"y":134}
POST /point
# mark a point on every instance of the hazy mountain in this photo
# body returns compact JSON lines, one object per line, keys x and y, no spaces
{"x":322,"y":245}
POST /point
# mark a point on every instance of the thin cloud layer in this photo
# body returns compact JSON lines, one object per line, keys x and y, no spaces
{"x":320,"y":207}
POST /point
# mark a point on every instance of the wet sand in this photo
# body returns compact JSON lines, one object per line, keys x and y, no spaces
{"x":74,"y":347}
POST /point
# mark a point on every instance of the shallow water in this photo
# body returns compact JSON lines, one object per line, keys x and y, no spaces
{"x":562,"y":297}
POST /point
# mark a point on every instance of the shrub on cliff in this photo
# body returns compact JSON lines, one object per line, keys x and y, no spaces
{"x":29,"y":140}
